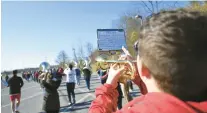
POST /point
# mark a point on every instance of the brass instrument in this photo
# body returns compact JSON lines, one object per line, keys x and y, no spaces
{"x":87,"y":62}
{"x":44,"y":67}
{"x":73,"y":62}
{"x":128,"y":74}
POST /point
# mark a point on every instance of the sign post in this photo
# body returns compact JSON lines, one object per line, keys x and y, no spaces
{"x":110,"y":41}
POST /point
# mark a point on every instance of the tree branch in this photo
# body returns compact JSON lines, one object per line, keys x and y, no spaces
{"x":147,"y":7}
{"x":152,"y":5}
{"x":156,"y":5}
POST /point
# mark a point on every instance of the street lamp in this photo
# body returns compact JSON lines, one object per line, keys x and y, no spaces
{"x":141,"y":22}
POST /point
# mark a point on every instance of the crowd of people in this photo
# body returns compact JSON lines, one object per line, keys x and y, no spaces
{"x":171,"y":73}
{"x":49,"y":81}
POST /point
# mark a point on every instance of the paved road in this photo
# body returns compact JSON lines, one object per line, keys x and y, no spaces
{"x":32,"y":97}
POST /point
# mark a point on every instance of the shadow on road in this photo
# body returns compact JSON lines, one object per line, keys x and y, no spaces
{"x":86,"y":92}
{"x":95,"y":82}
{"x":76,"y":107}
{"x":84,"y":86}
{"x":61,"y":85}
{"x":62,"y":89}
{"x":91,"y":91}
{"x":63,"y":95}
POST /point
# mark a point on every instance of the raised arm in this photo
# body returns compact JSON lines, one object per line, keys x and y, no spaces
{"x":51,"y":86}
{"x":105,"y":76}
{"x":107,"y":95}
{"x":106,"y":100}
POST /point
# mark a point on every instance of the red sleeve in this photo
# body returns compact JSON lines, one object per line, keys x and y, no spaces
{"x":138,"y":81}
{"x":104,"y":77}
{"x":106,"y":100}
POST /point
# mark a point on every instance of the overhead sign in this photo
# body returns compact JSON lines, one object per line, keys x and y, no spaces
{"x":111,"y":39}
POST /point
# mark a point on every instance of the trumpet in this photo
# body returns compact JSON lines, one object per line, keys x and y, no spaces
{"x":128,"y":74}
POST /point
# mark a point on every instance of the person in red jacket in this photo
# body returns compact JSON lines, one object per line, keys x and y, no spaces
{"x":36,"y":75}
{"x":171,"y":61}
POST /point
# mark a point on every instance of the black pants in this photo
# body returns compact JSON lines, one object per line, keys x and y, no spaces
{"x":88,"y":83}
{"x":130,"y":85}
{"x":70,"y":90}
{"x":103,"y":81}
{"x":55,"y":111}
{"x":119,"y":103}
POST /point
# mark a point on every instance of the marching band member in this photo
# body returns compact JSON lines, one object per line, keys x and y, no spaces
{"x":172,"y":63}
{"x":78,"y":74}
{"x":87,"y":76}
{"x":70,"y":83}
{"x":51,"y":102}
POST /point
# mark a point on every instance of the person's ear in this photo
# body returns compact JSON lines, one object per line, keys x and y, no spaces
{"x":145,"y":71}
{"x":142,"y":69}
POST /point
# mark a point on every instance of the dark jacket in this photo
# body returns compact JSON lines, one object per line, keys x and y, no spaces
{"x":7,"y":78}
{"x":78,"y":72}
{"x":86,"y":73}
{"x":51,"y":97}
{"x":15,"y":83}
{"x":104,"y":77}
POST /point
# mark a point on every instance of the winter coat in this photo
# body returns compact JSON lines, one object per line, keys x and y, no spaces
{"x":86,"y":73}
{"x":51,"y":100}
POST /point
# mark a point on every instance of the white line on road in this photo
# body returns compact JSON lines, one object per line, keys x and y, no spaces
{"x":82,"y":99}
{"x":24,"y":99}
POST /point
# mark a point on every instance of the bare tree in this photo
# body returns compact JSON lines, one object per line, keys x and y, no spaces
{"x":62,"y":58}
{"x":74,"y":55}
{"x":151,"y":7}
{"x":89,"y":47}
{"x":81,"y":52}
{"x":144,"y":9}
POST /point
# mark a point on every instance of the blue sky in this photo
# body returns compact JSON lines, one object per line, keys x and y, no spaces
{"x":33,"y":32}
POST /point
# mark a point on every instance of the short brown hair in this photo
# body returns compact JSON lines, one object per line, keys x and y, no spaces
{"x":173,"y":46}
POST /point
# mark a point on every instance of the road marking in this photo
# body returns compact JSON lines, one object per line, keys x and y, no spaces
{"x":79,"y":101}
{"x":21,"y":90}
{"x":91,"y":94}
{"x":24,"y":99}
{"x":82,"y":99}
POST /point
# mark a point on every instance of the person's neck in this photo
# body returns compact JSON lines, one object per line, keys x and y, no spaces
{"x":152,"y":86}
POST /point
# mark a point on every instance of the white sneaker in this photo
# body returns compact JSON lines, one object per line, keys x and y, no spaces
{"x":17,"y":109}
{"x":69,"y":103}
{"x":130,"y":90}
